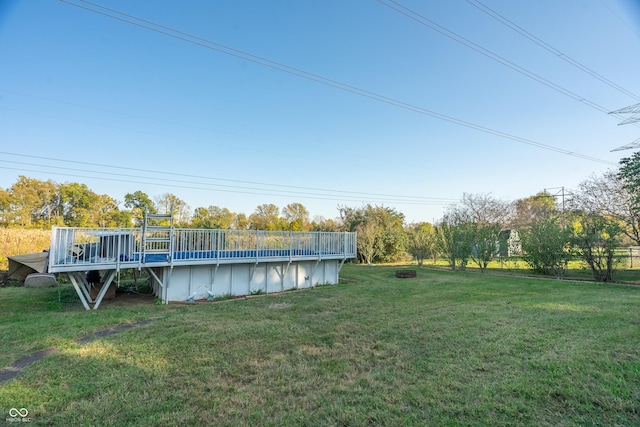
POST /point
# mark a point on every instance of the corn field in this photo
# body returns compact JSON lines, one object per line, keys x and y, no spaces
{"x":16,"y":241}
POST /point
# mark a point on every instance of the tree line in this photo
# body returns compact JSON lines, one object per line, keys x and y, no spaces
{"x":33,"y":203}
{"x":591,"y":224}
{"x":599,"y":216}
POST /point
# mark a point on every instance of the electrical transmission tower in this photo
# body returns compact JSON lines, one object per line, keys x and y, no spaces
{"x":634,"y":110}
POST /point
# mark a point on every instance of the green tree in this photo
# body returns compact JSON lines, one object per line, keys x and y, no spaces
{"x":629,"y":174}
{"x":485,"y":243}
{"x":80,"y":205}
{"x":213,"y":217}
{"x":201,"y":218}
{"x":108,"y":213}
{"x":453,"y":241}
{"x":47,"y":212}
{"x":32,"y":203}
{"x":266,"y":217}
{"x":533,"y":208}
{"x":241,"y":222}
{"x":596,"y":238}
{"x":320,"y":223}
{"x":139,"y":203}
{"x":123,"y":218}
{"x":24,"y":202}
{"x":546,"y":246}
{"x":296,"y":216}
{"x":422,"y":241}
{"x":5,"y":207}
{"x":393,"y":239}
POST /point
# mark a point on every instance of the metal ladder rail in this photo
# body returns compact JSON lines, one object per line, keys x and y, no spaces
{"x":157,"y":239}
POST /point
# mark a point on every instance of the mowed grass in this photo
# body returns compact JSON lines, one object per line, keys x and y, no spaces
{"x":441,"y":349}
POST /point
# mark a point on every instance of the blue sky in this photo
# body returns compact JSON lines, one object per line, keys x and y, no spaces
{"x":88,"y":98}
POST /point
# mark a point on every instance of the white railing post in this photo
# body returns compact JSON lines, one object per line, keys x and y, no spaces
{"x":346,"y":244}
{"x":53,"y":250}
{"x":218,"y":244}
{"x":102,"y":245}
{"x":257,"y":245}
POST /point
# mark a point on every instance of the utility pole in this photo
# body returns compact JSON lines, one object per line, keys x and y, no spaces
{"x":562,"y":194}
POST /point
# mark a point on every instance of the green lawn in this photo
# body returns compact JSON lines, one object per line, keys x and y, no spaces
{"x":441,"y":349}
{"x":577,"y":269}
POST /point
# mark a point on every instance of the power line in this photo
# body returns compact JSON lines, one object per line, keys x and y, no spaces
{"x":191,"y":187}
{"x":415,"y":16}
{"x":227,"y":50}
{"x":624,"y":22}
{"x":309,"y":191}
{"x":252,"y":149}
{"x":515,"y":27}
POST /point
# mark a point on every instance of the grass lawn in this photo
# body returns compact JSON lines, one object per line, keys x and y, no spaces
{"x":441,"y":349}
{"x":577,"y":269}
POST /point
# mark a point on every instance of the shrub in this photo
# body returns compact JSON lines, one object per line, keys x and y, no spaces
{"x":547,"y":247}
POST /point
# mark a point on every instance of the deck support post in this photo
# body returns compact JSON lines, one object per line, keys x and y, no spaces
{"x":72,"y":277}
{"x":282,"y":273}
{"x":167,"y":272}
{"x":341,"y":264}
{"x":81,"y":286}
{"x":110,"y":275}
{"x":313,"y":271}
{"x":214,"y":272}
{"x":157,"y":279}
{"x":251,"y":271}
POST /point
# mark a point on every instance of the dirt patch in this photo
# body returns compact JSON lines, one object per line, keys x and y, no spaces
{"x":9,"y":372}
{"x":125,"y":299}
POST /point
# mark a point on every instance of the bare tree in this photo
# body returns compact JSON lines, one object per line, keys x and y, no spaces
{"x":170,"y":203}
{"x":370,"y":243}
{"x":607,"y":195}
{"x":482,"y":208}
{"x":483,"y":217}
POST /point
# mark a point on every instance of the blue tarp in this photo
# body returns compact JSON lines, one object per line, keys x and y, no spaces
{"x":263,"y":253}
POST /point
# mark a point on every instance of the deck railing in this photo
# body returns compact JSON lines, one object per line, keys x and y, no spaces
{"x":79,"y":249}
